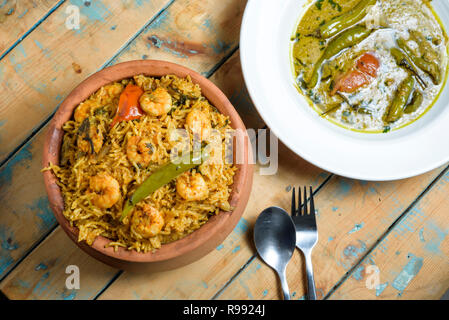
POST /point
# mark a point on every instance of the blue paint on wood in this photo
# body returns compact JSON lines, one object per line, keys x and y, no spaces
{"x":5,"y":262}
{"x":20,"y":16}
{"x":41,"y":266}
{"x":7,"y":246}
{"x":334,"y":209}
{"x":69,"y":296}
{"x":42,"y":284}
{"x":156,"y":42}
{"x":354,"y":251}
{"x":41,"y":208}
{"x":330,"y":239}
{"x":435,"y":236}
{"x":380,"y":288}
{"x":97,"y":11}
{"x":265,"y":292}
{"x":221,"y":246}
{"x":220,"y":47}
{"x":161,"y":22}
{"x":408,"y":272}
{"x":351,"y":253}
{"x":39,"y":45}
{"x":204,"y":284}
{"x":356,"y":228}
{"x":344,"y":186}
{"x":236,"y":249}
{"x":247,"y":290}
{"x":114,"y":27}
{"x":7,"y":239}
{"x":44,"y":50}
{"x":207,"y":23}
{"x":242,"y":227}
{"x":358,"y":273}
{"x":7,"y":51}
{"x":22,"y":50}
{"x":22,"y":158}
{"x":23,"y":284}
{"x":421,"y":235}
{"x":140,"y":3}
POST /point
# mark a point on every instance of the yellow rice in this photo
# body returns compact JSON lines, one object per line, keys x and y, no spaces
{"x":76,"y":167}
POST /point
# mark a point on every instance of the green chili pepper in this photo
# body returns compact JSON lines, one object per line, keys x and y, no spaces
{"x":347,"y":39}
{"x":345,"y":20}
{"x":416,"y":102}
{"x":403,"y":61}
{"x":163,"y":176}
{"x":424,"y":43}
{"x":430,"y":68}
{"x":396,"y":109}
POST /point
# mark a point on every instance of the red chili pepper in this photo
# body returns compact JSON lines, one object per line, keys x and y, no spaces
{"x":364,"y":72}
{"x":128,"y":105}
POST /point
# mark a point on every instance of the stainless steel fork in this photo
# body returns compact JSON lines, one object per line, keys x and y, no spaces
{"x":306,"y":234}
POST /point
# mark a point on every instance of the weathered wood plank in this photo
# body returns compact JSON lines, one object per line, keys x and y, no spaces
{"x":17,"y":18}
{"x":352,"y":215}
{"x":25,"y":214}
{"x":19,"y":169}
{"x":198,"y":33}
{"x":35,"y":76}
{"x":43,"y":275}
{"x":412,"y":259}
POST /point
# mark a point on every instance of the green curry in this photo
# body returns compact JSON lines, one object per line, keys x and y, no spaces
{"x":370,"y":65}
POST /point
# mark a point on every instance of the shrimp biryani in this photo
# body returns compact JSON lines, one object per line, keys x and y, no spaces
{"x":116,"y":172}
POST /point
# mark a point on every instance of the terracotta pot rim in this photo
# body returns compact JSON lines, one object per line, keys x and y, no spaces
{"x":217,"y":226}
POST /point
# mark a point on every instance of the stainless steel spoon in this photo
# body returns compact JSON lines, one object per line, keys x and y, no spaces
{"x":275,"y":238}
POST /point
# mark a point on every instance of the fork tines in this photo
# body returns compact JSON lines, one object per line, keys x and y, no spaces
{"x":302,"y":208}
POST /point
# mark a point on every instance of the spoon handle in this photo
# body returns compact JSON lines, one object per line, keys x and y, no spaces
{"x":284,"y":284}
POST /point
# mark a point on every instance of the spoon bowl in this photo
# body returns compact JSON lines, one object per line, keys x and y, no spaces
{"x":275,"y":240}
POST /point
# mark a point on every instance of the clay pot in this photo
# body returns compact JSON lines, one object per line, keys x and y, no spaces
{"x":177,"y":253}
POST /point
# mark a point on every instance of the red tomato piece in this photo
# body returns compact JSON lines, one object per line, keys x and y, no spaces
{"x":365,"y":70}
{"x":351,"y":81}
{"x":128,"y":105}
{"x":368,"y":64}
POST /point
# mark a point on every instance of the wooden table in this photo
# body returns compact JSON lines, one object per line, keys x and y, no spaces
{"x":400,"y":227}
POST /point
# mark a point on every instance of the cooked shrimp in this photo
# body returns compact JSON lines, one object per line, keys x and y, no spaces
{"x":157,"y":102}
{"x":199,"y":122}
{"x":147,"y":222}
{"x":83,"y":110}
{"x":192,"y":187}
{"x":90,"y":138}
{"x":106,"y":189}
{"x":139,"y":150}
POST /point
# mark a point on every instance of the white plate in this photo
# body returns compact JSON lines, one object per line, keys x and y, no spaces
{"x":265,"y":54}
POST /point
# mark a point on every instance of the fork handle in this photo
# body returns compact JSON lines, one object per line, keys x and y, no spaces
{"x":311,"y":291}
